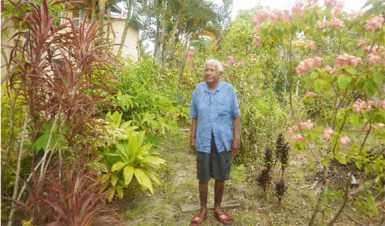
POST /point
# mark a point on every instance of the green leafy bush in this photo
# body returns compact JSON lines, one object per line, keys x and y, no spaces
{"x":128,"y":158}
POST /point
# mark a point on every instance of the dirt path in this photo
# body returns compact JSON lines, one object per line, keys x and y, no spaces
{"x":180,"y":187}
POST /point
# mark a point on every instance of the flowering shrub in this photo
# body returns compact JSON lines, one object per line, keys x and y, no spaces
{"x":338,"y":60}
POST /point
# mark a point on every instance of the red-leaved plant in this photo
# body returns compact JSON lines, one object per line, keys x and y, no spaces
{"x":59,"y":69}
{"x":75,"y":198}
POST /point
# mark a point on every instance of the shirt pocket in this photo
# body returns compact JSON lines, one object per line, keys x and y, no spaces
{"x":222,"y":108}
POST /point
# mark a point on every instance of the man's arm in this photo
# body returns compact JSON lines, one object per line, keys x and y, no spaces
{"x":193,"y":133}
{"x":237,"y":135}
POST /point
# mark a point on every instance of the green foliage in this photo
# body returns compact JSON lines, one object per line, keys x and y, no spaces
{"x":54,"y":138}
{"x":128,"y":158}
{"x":261,"y":119}
{"x":238,"y":174}
{"x":147,"y":98}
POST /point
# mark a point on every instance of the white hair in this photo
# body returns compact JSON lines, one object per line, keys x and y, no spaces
{"x":217,"y":62}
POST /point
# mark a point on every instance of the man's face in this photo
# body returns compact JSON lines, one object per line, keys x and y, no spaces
{"x":212,"y":75}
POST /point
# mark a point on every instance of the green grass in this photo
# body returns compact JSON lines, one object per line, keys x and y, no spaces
{"x":257,"y":208}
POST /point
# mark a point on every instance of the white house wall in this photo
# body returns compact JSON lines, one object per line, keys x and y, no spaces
{"x":130,"y":45}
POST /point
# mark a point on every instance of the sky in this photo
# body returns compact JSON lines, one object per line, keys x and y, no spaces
{"x":350,"y":5}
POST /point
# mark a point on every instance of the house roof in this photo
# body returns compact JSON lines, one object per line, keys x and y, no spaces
{"x":119,"y":12}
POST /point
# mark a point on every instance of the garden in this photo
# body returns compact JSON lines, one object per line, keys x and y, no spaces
{"x":90,"y":137}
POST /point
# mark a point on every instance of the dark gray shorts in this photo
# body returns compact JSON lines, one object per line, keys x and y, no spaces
{"x":213,"y":165}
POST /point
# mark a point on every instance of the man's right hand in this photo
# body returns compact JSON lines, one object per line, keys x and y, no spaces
{"x":192,"y":144}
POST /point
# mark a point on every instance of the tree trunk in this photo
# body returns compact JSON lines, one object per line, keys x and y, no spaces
{"x":101,"y":17}
{"x":126,"y":26}
{"x":109,"y":28}
{"x":18,"y":168}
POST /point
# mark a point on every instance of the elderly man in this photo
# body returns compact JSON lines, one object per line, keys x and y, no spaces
{"x":215,"y":136}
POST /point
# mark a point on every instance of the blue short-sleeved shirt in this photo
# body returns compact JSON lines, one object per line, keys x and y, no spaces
{"x":214,"y":111}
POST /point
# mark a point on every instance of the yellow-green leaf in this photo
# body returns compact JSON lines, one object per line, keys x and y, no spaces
{"x":120,"y":192}
{"x":154,"y":160}
{"x":128,"y":173}
{"x":143,"y":179}
{"x":378,"y":78}
{"x":344,"y":81}
{"x":114,"y":180}
{"x":111,"y":194}
{"x":118,"y":166}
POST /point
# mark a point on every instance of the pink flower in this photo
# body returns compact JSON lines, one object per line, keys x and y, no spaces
{"x":356,"y":15}
{"x":347,"y":60}
{"x":306,"y":125}
{"x":327,"y":133}
{"x":328,"y":130}
{"x":329,"y":69}
{"x":241,"y":64}
{"x":307,"y":65}
{"x":295,"y":128}
{"x":261,"y":17}
{"x":358,"y":105}
{"x":190,"y":53}
{"x":345,"y":141}
{"x":311,"y":44}
{"x":338,"y":8}
{"x":374,"y":23}
{"x":333,"y":24}
{"x":290,"y":131}
{"x":298,"y":138}
{"x":326,"y":136}
{"x":361,"y":43}
{"x":298,"y":8}
{"x":256,"y":39}
{"x":373,"y":59}
{"x":230,"y":60}
{"x":309,"y":94}
{"x":330,"y":3}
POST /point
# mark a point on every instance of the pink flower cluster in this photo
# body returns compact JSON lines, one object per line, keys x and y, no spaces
{"x":361,"y":42}
{"x":375,"y":23}
{"x":330,"y":3}
{"x":298,"y":8}
{"x":307,"y":65}
{"x":345,"y":141}
{"x":373,"y":59}
{"x":190,"y":53}
{"x":329,"y":69}
{"x":376,"y":54}
{"x":304,"y":126}
{"x":356,"y":15}
{"x":275,"y":16}
{"x":327,"y":133}
{"x":298,"y":138}
{"x":292,"y":129}
{"x":360,"y":105}
{"x":336,"y":6}
{"x":334,"y":24}
{"x":231,"y":62}
{"x":309,"y":94}
{"x":347,"y":60}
